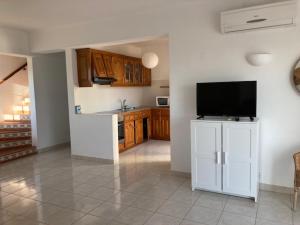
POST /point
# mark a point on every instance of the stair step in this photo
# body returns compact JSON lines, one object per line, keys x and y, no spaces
{"x":10,"y":125}
{"x":14,"y":153}
{"x":14,"y":130}
{"x":15,"y":143}
{"x":15,"y":138}
{"x":18,"y":121}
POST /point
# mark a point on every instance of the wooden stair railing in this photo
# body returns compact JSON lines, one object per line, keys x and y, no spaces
{"x":13,"y":73}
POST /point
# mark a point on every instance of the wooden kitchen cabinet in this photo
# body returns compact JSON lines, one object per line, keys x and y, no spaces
{"x":98,"y":64}
{"x":134,"y":128}
{"x":107,"y":59}
{"x":128,"y":71}
{"x":161,"y":124}
{"x":139,"y":134}
{"x":129,"y":133}
{"x":138,"y":72}
{"x":146,"y":76}
{"x":117,"y":63}
{"x":165,"y":124}
{"x":156,"y":124}
{"x":84,"y":67}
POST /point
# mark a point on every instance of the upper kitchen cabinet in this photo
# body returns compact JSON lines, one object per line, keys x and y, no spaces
{"x":117,"y":63}
{"x":98,"y":64}
{"x":138,"y":72}
{"x":84,"y":60}
{"x":107,"y":59}
{"x":110,"y":68}
{"x":128,"y":71}
{"x":146,"y":74}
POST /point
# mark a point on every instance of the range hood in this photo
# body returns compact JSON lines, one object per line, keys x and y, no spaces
{"x":103,"y":80}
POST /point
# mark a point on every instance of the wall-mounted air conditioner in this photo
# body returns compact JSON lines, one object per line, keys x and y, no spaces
{"x":259,"y":17}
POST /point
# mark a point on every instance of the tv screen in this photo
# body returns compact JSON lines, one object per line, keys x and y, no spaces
{"x":236,"y":99}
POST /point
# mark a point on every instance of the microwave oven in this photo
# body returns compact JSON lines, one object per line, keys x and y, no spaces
{"x":162,"y":101}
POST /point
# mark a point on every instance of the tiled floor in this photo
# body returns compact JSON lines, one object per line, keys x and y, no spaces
{"x":51,"y":188}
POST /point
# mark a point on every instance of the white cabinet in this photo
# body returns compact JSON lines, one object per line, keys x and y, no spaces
{"x":225,"y":157}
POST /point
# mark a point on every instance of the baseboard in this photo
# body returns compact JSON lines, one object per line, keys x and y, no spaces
{"x":275,"y":188}
{"x":104,"y":161}
{"x":262,"y":186}
{"x":54,"y":147}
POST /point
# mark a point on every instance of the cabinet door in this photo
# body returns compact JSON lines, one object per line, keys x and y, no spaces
{"x":139,"y":131}
{"x":156,"y":134}
{"x":99,"y":64}
{"x":138,"y":73}
{"x":129,"y":134}
{"x":165,"y":124}
{"x":239,"y":158}
{"x":146,"y":76}
{"x":84,"y":68}
{"x":206,"y":155}
{"x":149,"y":126}
{"x":129,"y":69}
{"x":117,"y":63}
{"x":107,"y":59}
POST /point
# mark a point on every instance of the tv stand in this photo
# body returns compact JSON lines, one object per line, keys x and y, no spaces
{"x":200,"y":117}
{"x":221,"y":139}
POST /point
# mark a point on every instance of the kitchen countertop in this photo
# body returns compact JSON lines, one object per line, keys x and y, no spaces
{"x":121,"y":113}
{"x":135,"y":109}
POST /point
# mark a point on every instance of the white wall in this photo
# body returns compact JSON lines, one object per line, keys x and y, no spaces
{"x":161,"y":48}
{"x":160,"y":75}
{"x":199,"y":52}
{"x":51,"y":101}
{"x":14,"y":41}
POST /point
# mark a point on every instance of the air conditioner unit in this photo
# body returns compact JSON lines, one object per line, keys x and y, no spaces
{"x":259,"y":17}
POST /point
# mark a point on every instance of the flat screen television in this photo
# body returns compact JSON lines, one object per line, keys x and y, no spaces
{"x":236,"y":99}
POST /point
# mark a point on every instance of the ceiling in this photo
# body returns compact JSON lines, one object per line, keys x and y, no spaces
{"x":46,"y":14}
{"x":36,"y":14}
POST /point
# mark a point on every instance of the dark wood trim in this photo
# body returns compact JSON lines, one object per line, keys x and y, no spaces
{"x":13,"y":73}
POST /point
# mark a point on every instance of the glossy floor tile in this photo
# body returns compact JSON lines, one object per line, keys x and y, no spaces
{"x":52,"y":188}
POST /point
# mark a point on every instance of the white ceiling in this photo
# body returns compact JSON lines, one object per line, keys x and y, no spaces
{"x":36,"y":14}
{"x":46,"y":14}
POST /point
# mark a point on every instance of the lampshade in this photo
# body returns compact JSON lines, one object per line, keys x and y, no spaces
{"x":150,"y":60}
{"x":259,"y":59}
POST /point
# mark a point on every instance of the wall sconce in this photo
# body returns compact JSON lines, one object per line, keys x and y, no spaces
{"x":150,"y":60}
{"x":259,"y":59}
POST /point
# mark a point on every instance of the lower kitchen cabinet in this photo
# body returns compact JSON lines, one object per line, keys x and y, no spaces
{"x":161,"y":124}
{"x":139,"y":134}
{"x":129,"y":134}
{"x":139,"y":126}
{"x":156,"y":121}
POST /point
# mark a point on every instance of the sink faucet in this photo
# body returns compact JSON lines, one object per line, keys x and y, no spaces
{"x":123,"y":102}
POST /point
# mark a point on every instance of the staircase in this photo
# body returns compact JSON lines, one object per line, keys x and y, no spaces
{"x":15,"y":133}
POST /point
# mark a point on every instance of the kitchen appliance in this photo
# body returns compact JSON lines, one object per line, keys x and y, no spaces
{"x":121,"y":131}
{"x":237,"y":99}
{"x":162,"y":101}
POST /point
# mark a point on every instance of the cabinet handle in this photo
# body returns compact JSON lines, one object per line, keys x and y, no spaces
{"x":218,"y":155}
